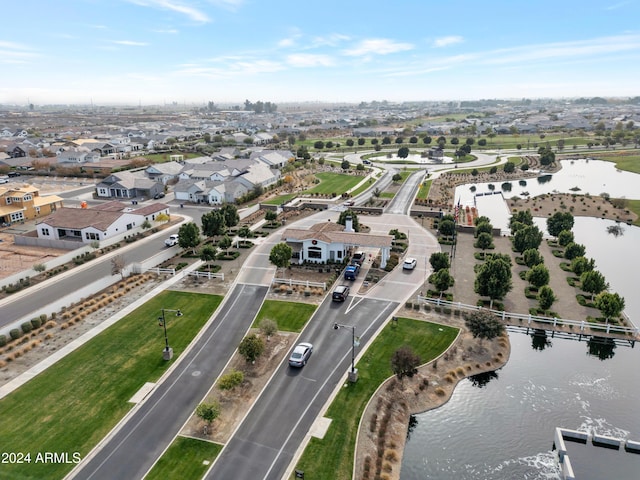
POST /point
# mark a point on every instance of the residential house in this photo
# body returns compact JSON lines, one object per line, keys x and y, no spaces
{"x":330,"y":242}
{"x":78,"y":156}
{"x":88,"y":224}
{"x":25,"y":203}
{"x":164,"y":172}
{"x":210,"y":192}
{"x":128,"y":185}
{"x":273,"y":158}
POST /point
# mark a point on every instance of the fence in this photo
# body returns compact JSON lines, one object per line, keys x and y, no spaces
{"x":161,"y":271}
{"x":510,"y":317}
{"x":290,"y":282}
{"x":208,"y":275}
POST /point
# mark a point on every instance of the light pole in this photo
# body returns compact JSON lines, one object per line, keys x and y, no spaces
{"x":353,"y":374}
{"x":167,"y":353}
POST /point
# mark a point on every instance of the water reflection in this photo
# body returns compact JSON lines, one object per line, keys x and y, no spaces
{"x":539,"y":340}
{"x":482,"y":379}
{"x":413,"y":423}
{"x":602,"y":348}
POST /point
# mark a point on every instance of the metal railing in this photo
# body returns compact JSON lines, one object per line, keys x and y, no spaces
{"x":510,"y":317}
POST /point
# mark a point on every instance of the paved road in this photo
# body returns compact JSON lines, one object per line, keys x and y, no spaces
{"x":136,"y":445}
{"x":403,"y":199}
{"x":268,"y":438}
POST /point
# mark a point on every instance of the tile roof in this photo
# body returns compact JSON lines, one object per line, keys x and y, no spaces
{"x":79,"y":218}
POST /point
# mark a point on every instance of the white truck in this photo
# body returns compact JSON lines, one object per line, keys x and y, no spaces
{"x":172,"y":240}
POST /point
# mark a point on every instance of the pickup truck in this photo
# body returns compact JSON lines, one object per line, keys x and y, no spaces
{"x":172,"y":240}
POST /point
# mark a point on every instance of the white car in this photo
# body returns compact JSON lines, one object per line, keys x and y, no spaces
{"x":409,"y":263}
{"x":172,"y":240}
{"x":4,"y":180}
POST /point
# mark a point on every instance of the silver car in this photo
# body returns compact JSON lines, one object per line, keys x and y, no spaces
{"x":300,"y":354}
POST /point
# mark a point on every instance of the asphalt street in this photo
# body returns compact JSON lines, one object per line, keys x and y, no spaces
{"x":135,"y":445}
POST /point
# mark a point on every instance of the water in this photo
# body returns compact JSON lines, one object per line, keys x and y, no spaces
{"x":505,"y":429}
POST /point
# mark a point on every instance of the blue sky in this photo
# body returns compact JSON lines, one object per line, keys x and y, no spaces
{"x":226,"y":51}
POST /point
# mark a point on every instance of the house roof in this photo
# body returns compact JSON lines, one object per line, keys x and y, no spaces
{"x":46,"y":200}
{"x":80,"y":218}
{"x":151,"y":208}
{"x":331,"y":232}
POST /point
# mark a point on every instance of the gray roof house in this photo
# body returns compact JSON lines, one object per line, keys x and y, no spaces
{"x":128,"y":185}
{"x":211,"y":192}
{"x":164,"y":172}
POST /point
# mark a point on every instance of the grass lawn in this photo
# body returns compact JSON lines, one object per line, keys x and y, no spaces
{"x":280,"y":199}
{"x":332,"y":457}
{"x":423,"y":193}
{"x":362,"y":188}
{"x":387,"y":194}
{"x":334,"y":183}
{"x":630,"y":163}
{"x":73,"y":404}
{"x":634,"y":206}
{"x":184,"y":460}
{"x":290,"y":316}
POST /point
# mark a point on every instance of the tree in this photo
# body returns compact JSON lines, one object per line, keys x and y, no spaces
{"x":593,"y":282}
{"x":251,"y":347}
{"x":213,"y":223}
{"x":610,"y":304}
{"x":493,"y":279}
{"x":529,"y":236}
{"x":146,"y":224}
{"x":413,"y":139}
{"x":484,"y":227}
{"x":208,"y":254}
{"x":558,"y":222}
{"x":245,"y":232}
{"x":509,"y":167}
{"x":230,"y":214}
{"x":396,"y":177}
{"x":547,"y":157}
{"x":403,"y":152}
{"x":519,"y":219}
{"x":342,"y":219}
{"x":224,"y":243}
{"x":319,"y":145}
{"x":579,"y":265}
{"x":189,"y":236}
{"x":441,"y":280}
{"x":404,"y":362}
{"x":208,"y":412}
{"x":268,"y":327}
{"x":361,"y":141}
{"x":484,"y":241}
{"x":427,"y":140}
{"x":446,"y":227}
{"x":483,"y":324}
{"x":573,"y":250}
{"x":531,"y":257}
{"x":345,"y":165}
{"x":271,"y":216}
{"x":546,"y":297}
{"x":280,"y":255}
{"x":439,"y":260}
{"x":117,"y":266}
{"x":231,"y":380}
{"x":350,"y":142}
{"x":386,"y":140}
{"x":565,"y":237}
{"x":399,"y":140}
{"x":538,"y":275}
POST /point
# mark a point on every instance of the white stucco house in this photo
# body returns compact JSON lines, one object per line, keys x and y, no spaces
{"x":332,"y":242}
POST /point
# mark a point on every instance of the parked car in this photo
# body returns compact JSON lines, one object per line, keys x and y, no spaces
{"x":300,"y":354}
{"x":172,"y":240}
{"x":351,"y":272}
{"x":4,"y":180}
{"x":158,"y":195}
{"x":341,"y":293}
{"x":409,"y":263}
{"x":13,"y":174}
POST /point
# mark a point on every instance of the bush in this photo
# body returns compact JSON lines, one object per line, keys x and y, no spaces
{"x":15,"y":333}
{"x":231,"y":380}
{"x":36,"y":322}
{"x":3,"y":340}
{"x":26,"y":327}
{"x":43,"y":317}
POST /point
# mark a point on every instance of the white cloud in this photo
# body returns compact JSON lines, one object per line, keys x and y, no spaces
{"x":227,"y":4}
{"x":175,"y":6}
{"x":331,"y":40}
{"x":169,"y":31}
{"x":309,"y":60}
{"x":380,"y":46}
{"x":130,"y":43}
{"x":237,"y":68}
{"x":446,"y":41}
{"x":15,"y":53}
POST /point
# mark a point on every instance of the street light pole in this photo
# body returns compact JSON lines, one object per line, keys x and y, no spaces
{"x":353,"y":374}
{"x":167,"y":353}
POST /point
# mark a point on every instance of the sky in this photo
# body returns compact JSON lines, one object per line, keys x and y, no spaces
{"x":154,"y":52}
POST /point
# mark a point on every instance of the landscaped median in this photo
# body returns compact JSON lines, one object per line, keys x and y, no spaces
{"x":333,"y":456}
{"x":71,"y":406}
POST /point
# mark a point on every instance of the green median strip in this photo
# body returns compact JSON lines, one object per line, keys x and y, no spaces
{"x":333,"y":456}
{"x":185,"y":459}
{"x":290,"y":316}
{"x":72,"y":405}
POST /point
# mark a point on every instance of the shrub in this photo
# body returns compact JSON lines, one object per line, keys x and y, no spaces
{"x":3,"y":340}
{"x":231,"y":380}
{"x":36,"y":322}
{"x":15,"y":333}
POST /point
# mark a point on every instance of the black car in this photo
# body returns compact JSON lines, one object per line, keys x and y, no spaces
{"x":158,"y":195}
{"x":341,"y":293}
{"x":13,"y":174}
